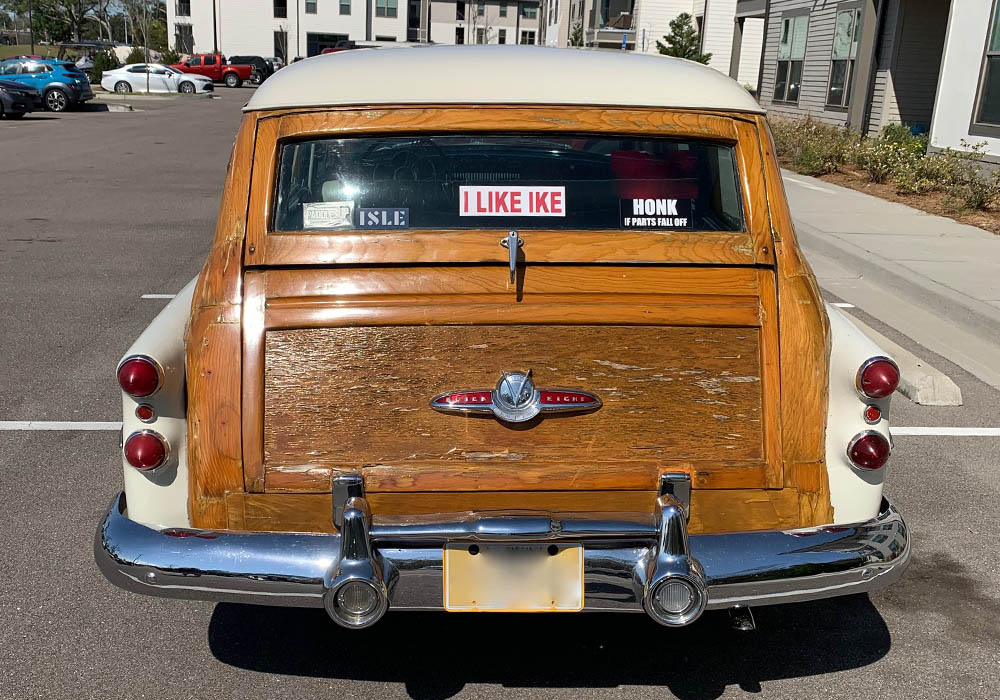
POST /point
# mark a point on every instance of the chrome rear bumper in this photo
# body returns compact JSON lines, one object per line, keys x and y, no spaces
{"x":621,"y":557}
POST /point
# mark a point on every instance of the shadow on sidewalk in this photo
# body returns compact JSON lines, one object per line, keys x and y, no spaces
{"x":436,"y":654}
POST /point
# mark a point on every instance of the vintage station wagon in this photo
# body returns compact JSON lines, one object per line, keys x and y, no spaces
{"x":503,"y":329}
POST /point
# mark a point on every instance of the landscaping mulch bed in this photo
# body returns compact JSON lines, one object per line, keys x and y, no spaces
{"x":930,"y":202}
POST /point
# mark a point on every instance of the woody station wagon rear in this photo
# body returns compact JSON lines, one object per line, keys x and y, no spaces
{"x":497,"y":345}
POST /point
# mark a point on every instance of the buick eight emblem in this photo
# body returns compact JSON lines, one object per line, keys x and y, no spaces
{"x":516,"y":399}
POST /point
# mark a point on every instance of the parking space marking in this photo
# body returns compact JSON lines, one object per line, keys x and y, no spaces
{"x":158,"y":296}
{"x":948,"y":432}
{"x":58,"y":425}
{"x":843,"y":305}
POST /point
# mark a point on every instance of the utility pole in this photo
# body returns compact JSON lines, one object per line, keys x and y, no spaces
{"x":215,"y":30}
{"x":31,"y":29}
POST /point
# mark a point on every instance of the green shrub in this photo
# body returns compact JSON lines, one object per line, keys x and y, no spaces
{"x":103,"y":60}
{"x":136,"y":55}
{"x":170,"y":57}
{"x":880,"y":158}
{"x":972,"y":186}
{"x":932,"y":173}
{"x":811,"y":147}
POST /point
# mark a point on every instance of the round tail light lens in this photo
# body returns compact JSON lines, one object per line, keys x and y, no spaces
{"x":878,"y":378}
{"x":868,"y":450}
{"x":139,"y":376}
{"x":145,"y":450}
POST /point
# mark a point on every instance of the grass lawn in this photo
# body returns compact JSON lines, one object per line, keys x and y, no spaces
{"x":25,"y":50}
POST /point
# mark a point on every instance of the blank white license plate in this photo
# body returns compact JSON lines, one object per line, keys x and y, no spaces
{"x":513,"y":578}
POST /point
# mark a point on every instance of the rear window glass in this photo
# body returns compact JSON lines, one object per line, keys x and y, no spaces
{"x":507,"y":181}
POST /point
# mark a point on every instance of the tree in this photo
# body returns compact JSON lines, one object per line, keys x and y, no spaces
{"x":576,"y":35}
{"x":683,"y":40}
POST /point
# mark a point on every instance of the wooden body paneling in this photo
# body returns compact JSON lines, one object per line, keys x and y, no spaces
{"x":754,"y":283}
{"x":479,"y":245}
{"x":335,"y":396}
{"x":712,"y":511}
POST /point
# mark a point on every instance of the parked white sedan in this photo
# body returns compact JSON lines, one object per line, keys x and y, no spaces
{"x":153,"y":77}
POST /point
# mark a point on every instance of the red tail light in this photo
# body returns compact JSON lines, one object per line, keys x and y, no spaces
{"x":139,"y":376}
{"x":878,"y":377}
{"x":868,"y":450}
{"x":145,"y":450}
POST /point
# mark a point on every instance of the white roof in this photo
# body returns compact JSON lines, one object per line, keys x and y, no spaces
{"x":498,"y":74}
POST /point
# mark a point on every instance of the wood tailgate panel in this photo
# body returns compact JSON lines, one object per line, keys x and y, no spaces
{"x":343,"y":396}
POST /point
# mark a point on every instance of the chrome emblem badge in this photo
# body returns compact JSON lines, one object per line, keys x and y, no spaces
{"x":516,"y":399}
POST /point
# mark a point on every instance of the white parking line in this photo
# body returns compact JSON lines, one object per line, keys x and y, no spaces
{"x":158,"y":296}
{"x":843,"y":305}
{"x":57,"y":425}
{"x":952,"y":432}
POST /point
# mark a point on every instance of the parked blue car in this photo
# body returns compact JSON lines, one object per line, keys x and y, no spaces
{"x":61,"y":83}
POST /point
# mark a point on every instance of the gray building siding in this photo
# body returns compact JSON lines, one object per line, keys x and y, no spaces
{"x":816,"y":67}
{"x":908,"y":60}
{"x":917,"y":62}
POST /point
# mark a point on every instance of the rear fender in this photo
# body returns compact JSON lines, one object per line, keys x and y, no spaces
{"x":854,"y":494}
{"x":159,"y":498}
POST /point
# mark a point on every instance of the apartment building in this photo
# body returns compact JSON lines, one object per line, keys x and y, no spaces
{"x":484,"y":22}
{"x":731,"y":30}
{"x":291,"y":28}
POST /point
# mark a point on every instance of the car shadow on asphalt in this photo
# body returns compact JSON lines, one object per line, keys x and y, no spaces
{"x":436,"y":654}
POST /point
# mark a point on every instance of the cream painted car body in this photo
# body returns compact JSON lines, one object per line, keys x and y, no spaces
{"x":159,"y":498}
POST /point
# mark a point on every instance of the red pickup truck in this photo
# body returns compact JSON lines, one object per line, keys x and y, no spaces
{"x":213,"y":65}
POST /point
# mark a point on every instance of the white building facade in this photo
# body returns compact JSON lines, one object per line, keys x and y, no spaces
{"x":731,"y":30}
{"x":293,"y":28}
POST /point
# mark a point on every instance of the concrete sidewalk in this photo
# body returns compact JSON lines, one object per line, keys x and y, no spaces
{"x":929,"y":277}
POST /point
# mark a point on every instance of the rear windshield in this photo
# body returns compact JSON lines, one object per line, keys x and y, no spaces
{"x":507,"y":181}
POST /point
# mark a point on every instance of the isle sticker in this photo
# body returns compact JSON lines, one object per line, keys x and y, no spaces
{"x":659,"y":212}
{"x":383,"y":218}
{"x":503,"y":200}
{"x":328,"y":215}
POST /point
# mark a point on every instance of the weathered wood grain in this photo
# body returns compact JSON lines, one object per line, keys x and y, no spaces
{"x":360,"y":395}
{"x":212,"y":344}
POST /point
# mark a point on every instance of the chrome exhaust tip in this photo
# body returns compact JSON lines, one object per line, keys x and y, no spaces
{"x":675,"y":591}
{"x":356,"y":596}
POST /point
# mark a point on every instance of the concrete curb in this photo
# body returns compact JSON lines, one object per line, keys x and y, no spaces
{"x":919,"y":382}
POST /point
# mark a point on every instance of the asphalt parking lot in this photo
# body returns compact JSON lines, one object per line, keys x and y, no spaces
{"x":98,"y":210}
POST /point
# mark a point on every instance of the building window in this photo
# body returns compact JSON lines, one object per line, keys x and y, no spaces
{"x":459,"y":35}
{"x":503,"y":9}
{"x":182,"y":8}
{"x":989,"y":86}
{"x":281,"y":9}
{"x":527,"y":37}
{"x":480,"y":8}
{"x":846,"y":33}
{"x":501,"y":36}
{"x":183,"y":38}
{"x":385,"y":8}
{"x":310,"y":7}
{"x":345,"y":7}
{"x":460,"y":9}
{"x":791,"y":55}
{"x":529,"y":12}
{"x":281,"y":46}
{"x":480,"y":36}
